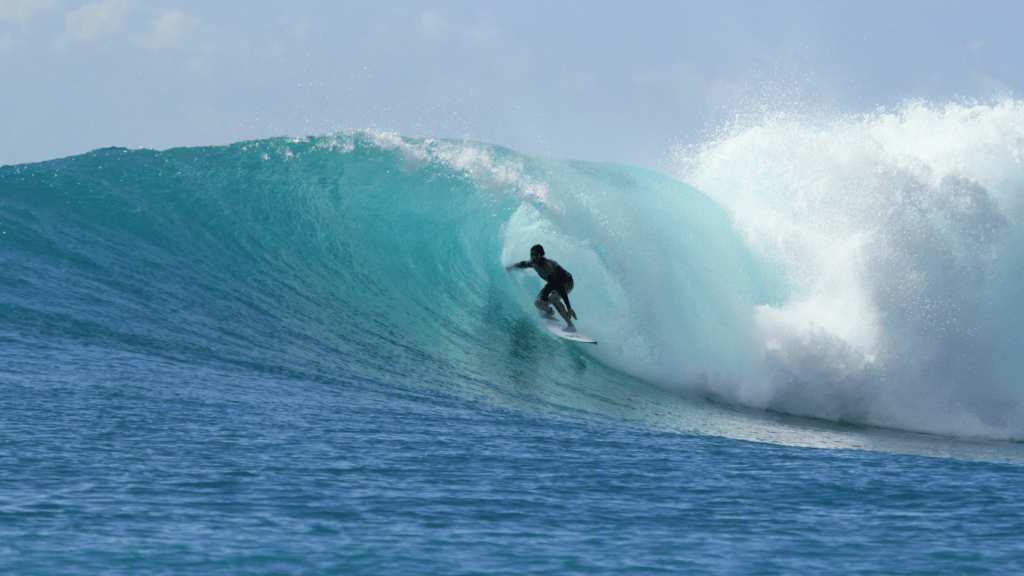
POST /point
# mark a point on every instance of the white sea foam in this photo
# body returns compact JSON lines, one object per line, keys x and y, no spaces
{"x":898,"y":235}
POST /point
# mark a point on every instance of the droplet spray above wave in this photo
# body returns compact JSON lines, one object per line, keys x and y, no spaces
{"x":899,"y":235}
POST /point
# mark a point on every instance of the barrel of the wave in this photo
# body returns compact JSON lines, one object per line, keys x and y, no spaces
{"x":663,"y":280}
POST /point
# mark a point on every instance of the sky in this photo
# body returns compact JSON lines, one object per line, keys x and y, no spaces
{"x":596,"y":80}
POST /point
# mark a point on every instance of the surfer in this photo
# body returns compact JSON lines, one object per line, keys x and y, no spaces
{"x":559,"y":283}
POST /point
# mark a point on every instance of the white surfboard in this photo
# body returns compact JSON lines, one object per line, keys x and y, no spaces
{"x":555,"y":326}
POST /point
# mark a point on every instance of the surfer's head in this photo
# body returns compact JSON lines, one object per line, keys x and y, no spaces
{"x":537,"y":252}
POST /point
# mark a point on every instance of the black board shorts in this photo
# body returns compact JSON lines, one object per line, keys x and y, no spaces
{"x":551,"y":287}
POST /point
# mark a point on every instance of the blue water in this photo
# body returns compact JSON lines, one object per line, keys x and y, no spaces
{"x":304,"y":356}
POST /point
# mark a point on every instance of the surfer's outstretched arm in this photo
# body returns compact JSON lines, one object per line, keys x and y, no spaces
{"x":523,"y":264}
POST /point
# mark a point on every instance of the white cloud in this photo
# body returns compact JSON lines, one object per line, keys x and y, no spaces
{"x":97,"y":20}
{"x":126,"y":21}
{"x":169,"y":29}
{"x":435,"y":25}
{"x":432,"y":24}
{"x":485,"y":30}
{"x":15,"y":13}
{"x":687,"y":84}
{"x":22,"y":10}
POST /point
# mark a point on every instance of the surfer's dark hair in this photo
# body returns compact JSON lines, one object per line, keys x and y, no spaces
{"x":537,"y":248}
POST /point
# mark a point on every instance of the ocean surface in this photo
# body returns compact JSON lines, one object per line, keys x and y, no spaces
{"x":305,"y":356}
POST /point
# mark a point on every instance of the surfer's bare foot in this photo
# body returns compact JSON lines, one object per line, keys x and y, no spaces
{"x":569,"y":328}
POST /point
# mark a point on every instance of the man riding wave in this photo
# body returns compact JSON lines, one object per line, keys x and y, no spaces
{"x":559,"y":284}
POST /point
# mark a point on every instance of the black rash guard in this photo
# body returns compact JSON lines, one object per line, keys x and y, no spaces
{"x":556,"y":277}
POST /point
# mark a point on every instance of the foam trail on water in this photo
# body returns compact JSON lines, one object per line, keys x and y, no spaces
{"x":898,"y":236}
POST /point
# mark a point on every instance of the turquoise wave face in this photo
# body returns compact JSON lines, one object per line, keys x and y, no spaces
{"x":378,"y":255}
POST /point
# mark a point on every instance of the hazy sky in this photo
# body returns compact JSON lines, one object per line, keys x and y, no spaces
{"x":618,"y":81}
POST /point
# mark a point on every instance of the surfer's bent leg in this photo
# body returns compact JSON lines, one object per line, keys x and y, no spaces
{"x":551,"y":295}
{"x":542,"y":299}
